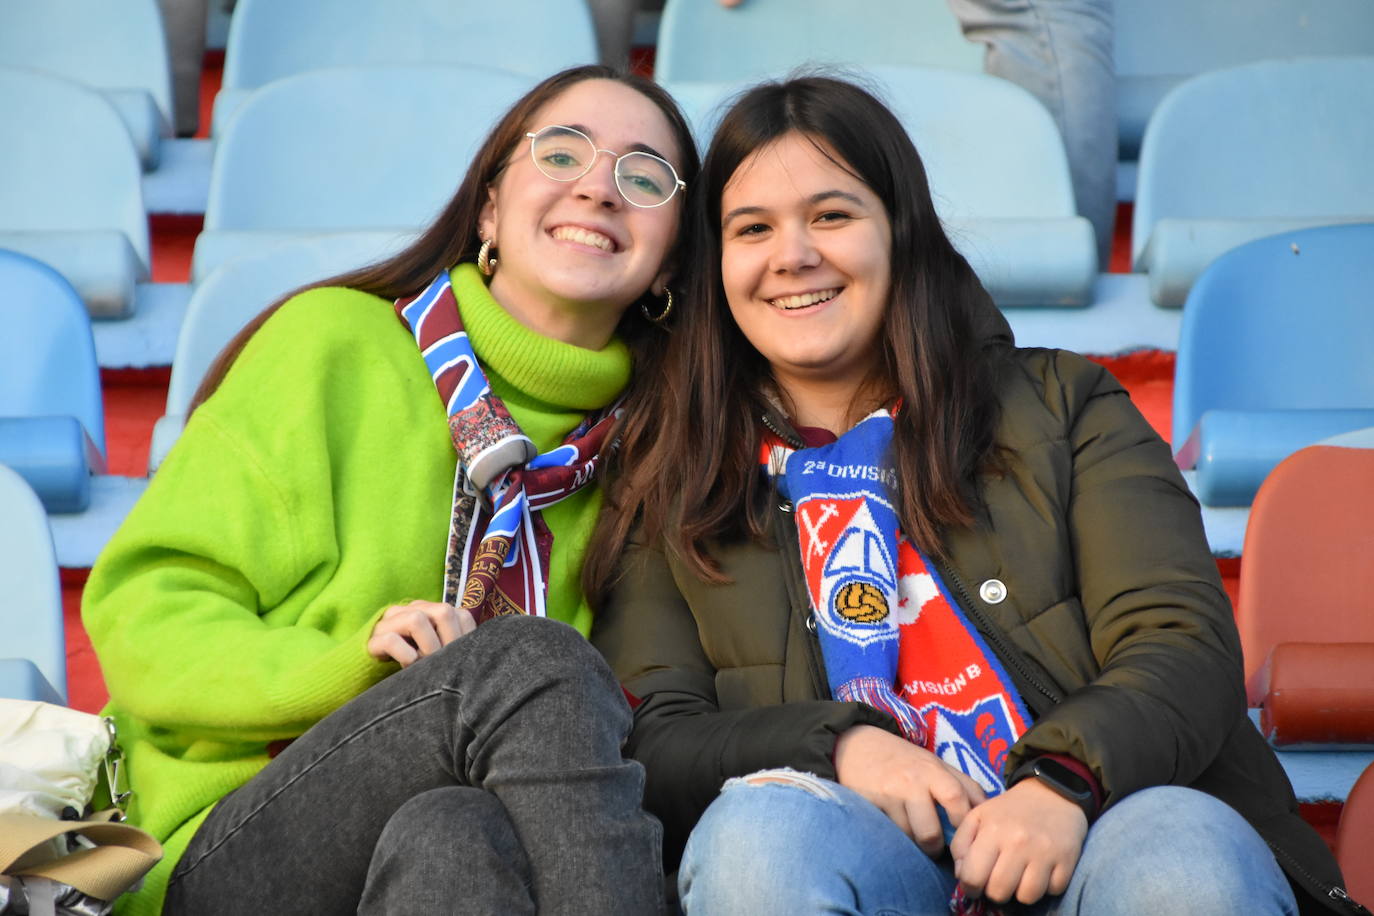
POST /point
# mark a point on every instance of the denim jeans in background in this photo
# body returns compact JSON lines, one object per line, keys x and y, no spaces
{"x":1061,"y":52}
{"x":812,"y":846}
{"x":486,"y":778}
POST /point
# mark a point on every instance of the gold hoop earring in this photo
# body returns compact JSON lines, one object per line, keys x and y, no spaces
{"x":485,"y":263}
{"x":661,"y":316}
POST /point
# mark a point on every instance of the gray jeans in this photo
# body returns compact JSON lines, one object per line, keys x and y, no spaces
{"x":486,"y":778}
{"x":1061,"y":52}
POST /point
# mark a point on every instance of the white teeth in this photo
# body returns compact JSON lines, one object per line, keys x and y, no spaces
{"x":803,"y":300}
{"x":584,"y":237}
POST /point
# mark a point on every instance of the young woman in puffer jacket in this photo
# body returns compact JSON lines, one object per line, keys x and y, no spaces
{"x":918,"y":621}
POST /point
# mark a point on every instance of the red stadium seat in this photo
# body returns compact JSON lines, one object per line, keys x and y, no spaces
{"x":1355,"y":839}
{"x":1306,"y":613}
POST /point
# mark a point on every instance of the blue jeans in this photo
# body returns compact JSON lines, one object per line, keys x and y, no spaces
{"x":812,"y":846}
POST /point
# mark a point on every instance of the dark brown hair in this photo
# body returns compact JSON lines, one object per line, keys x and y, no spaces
{"x":688,"y":464}
{"x":452,"y":238}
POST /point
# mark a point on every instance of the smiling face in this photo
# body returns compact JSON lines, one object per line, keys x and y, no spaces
{"x":574,"y":254}
{"x":806,"y":264}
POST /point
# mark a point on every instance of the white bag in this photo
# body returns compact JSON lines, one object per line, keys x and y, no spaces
{"x":52,"y":761}
{"x":51,"y":757}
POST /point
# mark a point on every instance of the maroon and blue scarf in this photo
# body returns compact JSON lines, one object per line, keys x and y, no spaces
{"x":499,"y":544}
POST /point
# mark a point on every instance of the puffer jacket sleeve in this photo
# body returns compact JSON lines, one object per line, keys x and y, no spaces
{"x":1161,"y":628}
{"x":687,"y":744}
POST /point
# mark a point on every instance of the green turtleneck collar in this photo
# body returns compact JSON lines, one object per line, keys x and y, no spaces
{"x":560,"y":375}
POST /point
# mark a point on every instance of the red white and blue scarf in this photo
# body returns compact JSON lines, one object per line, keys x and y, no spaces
{"x":891,"y":635}
{"x":499,"y":545}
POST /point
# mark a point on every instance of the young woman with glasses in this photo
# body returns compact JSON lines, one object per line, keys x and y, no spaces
{"x":919,"y":622}
{"x":320,"y":627}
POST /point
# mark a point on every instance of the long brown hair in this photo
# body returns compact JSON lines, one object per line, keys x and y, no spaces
{"x":688,"y":463}
{"x":452,"y":238}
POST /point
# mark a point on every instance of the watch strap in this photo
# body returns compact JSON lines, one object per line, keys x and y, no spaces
{"x":1090,"y":802}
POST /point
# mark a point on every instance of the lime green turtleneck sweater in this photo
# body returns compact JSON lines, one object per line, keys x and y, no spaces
{"x":313,"y":490}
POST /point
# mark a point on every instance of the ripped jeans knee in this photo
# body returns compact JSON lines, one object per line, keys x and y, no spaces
{"x":786,"y":776}
{"x":755,"y":850}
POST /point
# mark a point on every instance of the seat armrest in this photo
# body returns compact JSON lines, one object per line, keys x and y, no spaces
{"x":20,"y":679}
{"x":1179,"y":250}
{"x":55,"y":455}
{"x":1030,"y":262}
{"x":1234,"y":450}
{"x":1318,"y":694}
{"x":165,"y":434}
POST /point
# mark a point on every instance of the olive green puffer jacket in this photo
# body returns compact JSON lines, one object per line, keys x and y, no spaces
{"x":1087,"y":572}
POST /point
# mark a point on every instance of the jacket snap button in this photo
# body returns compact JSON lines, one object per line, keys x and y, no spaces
{"x":993,"y":591}
{"x":811,"y":623}
{"x":785,"y":505}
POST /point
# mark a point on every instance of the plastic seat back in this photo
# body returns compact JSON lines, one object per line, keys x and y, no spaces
{"x":47,"y":355}
{"x":1162,"y":43}
{"x":72,"y":166}
{"x":990,"y":148}
{"x":1307,"y":575}
{"x":31,"y":609}
{"x":1000,"y":180}
{"x":707,"y":42}
{"x":234,"y":293}
{"x":997,"y":168}
{"x":1355,"y":838}
{"x":1280,"y":323}
{"x":108,"y":46}
{"x":271,"y":39}
{"x":293,"y":157}
{"x":1276,"y":140}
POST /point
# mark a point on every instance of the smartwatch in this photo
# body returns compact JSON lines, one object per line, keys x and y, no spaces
{"x":1063,"y":780}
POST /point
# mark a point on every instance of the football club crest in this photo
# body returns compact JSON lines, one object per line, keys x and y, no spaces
{"x":850,"y":571}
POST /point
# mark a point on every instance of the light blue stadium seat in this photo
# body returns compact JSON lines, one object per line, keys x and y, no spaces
{"x":234,"y":293}
{"x":1244,"y":153}
{"x":33,"y":655}
{"x":701,"y":41}
{"x":1355,"y":438}
{"x":704,"y":103}
{"x":71,"y":194}
{"x":293,"y":161}
{"x":52,"y":425}
{"x":272,"y":39}
{"x":1274,"y":355}
{"x":1162,"y":43}
{"x":118,"y":48}
{"x":997,"y":171}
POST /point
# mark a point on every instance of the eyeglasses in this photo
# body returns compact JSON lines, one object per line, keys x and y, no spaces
{"x":566,"y":154}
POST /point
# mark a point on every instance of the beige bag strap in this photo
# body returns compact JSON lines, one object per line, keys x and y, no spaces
{"x":121,"y":856}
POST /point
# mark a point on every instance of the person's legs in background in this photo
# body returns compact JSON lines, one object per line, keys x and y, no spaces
{"x":615,"y":27}
{"x":184,"y":23}
{"x":1061,"y":52}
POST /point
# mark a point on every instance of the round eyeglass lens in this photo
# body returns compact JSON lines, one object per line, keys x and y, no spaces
{"x":562,"y":153}
{"x":645,"y":179}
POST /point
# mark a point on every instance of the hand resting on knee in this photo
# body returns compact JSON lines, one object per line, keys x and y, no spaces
{"x":906,"y":782}
{"x":407,"y":633}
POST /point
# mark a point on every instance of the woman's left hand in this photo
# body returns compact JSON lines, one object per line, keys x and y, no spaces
{"x":1022,"y":844}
